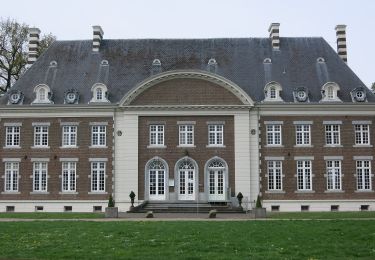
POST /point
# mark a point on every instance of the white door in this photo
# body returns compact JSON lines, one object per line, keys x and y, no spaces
{"x":157,"y":185}
{"x":216,"y":182}
{"x":186,"y":184}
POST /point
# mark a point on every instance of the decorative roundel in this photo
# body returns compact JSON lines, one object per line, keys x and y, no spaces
{"x":301,"y":95}
{"x":15,"y":97}
{"x":360,"y":95}
{"x":71,"y":96}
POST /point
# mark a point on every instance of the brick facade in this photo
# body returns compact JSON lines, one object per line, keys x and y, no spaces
{"x":54,"y":153}
{"x":172,"y":153}
{"x":318,"y":151}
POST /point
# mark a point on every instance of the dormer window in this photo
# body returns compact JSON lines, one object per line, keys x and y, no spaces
{"x":272,"y":92}
{"x":99,"y":93}
{"x":358,"y":94}
{"x":43,"y":95}
{"x":330,"y":92}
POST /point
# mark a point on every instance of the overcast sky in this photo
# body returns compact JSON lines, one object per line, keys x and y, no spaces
{"x":72,"y":19}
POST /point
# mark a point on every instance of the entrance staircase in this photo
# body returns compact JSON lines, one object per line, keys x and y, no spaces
{"x":185,"y":207}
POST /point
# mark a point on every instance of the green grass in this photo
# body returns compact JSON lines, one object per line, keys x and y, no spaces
{"x":321,"y":215}
{"x":313,"y":239}
{"x":43,"y":215}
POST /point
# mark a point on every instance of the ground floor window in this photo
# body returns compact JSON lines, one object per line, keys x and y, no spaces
{"x":156,"y":171}
{"x":334,"y":175}
{"x":68,"y":176}
{"x":217,"y":170}
{"x":11,"y":176}
{"x":40,"y":176}
{"x":304,"y":175}
{"x":98,"y":176}
{"x":274,"y":175}
{"x":363,"y":175}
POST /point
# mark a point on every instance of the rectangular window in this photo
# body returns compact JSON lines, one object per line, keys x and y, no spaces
{"x":69,"y":176}
{"x":13,"y":136}
{"x":273,"y":134}
{"x":157,"y":135}
{"x":362,"y":134}
{"x":303,"y":135}
{"x":69,"y":136}
{"x":11,"y":176}
{"x":274,"y":175}
{"x":98,"y":176}
{"x":333,"y":134}
{"x":41,"y":136}
{"x":363,"y":175}
{"x":216,"y":135}
{"x":98,"y":135}
{"x":40,"y":176}
{"x":334,"y":175}
{"x":304,"y":175}
{"x":186,"y":134}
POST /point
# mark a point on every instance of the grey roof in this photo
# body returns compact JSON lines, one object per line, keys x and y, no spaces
{"x":240,"y":60}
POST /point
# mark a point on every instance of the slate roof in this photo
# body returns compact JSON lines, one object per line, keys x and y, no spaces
{"x":239,"y":59}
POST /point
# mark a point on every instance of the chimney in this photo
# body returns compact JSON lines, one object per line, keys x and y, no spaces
{"x":341,"y":42}
{"x":97,"y":37}
{"x":274,"y":35}
{"x":34,"y":34}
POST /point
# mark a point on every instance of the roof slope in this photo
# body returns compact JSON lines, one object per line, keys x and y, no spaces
{"x":240,"y":60}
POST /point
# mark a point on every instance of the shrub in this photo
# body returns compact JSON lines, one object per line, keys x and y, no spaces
{"x":259,"y":203}
{"x":111,"y":202}
{"x":212,"y":213}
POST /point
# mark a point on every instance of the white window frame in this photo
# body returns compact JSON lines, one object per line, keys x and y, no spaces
{"x":275,"y":175}
{"x":334,"y":175}
{"x":42,"y":94}
{"x":13,"y":136}
{"x":304,"y":175}
{"x":98,"y":135}
{"x":362,"y":134}
{"x":41,"y":135}
{"x":68,"y":176}
{"x":157,"y":134}
{"x":215,"y":134}
{"x":99,"y":93}
{"x":303,"y":134}
{"x":69,"y":137}
{"x":186,"y":135}
{"x":274,"y":134}
{"x":332,"y":135}
{"x":11,"y":178}
{"x":40,"y":168}
{"x":98,"y":174}
{"x":363,"y":172}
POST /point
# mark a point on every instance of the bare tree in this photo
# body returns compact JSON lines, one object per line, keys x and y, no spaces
{"x":373,"y":87}
{"x":13,"y":51}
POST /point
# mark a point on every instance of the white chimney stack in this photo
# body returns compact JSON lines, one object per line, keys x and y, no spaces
{"x":33,"y":36}
{"x":97,"y":37}
{"x":341,"y":42}
{"x":274,"y":35}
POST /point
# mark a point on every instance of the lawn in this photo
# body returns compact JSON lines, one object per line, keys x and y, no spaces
{"x":47,"y":215}
{"x":311,"y":239}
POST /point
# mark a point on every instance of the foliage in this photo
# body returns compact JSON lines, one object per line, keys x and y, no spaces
{"x":258,"y":203}
{"x":111,"y":202}
{"x":155,"y":240}
{"x":13,"y":51}
{"x":239,"y":197}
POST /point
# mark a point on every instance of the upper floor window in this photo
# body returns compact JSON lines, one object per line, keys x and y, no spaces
{"x":274,"y":175}
{"x":362,"y":134}
{"x":40,"y":176}
{"x":332,"y":134}
{"x":186,"y":133}
{"x":99,"y":93}
{"x":363,"y":175}
{"x":98,"y":135}
{"x":330,"y":92}
{"x":69,"y":176}
{"x":272,"y":92}
{"x":304,"y":175}
{"x":13,"y":134}
{"x":303,"y":135}
{"x":41,"y":135}
{"x":43,"y":95}
{"x":216,"y":135}
{"x":11,"y":176}
{"x":334,"y":175}
{"x":98,"y":176}
{"x":273,"y":134}
{"x":156,"y":135}
{"x":69,"y":134}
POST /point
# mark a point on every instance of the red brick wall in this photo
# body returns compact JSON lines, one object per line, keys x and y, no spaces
{"x":54,"y":153}
{"x":319,"y":182}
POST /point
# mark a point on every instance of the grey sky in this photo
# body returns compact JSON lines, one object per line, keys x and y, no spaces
{"x":72,"y":19}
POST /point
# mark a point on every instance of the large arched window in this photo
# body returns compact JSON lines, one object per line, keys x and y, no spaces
{"x":186,"y":177}
{"x":156,"y":177}
{"x":216,"y":176}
